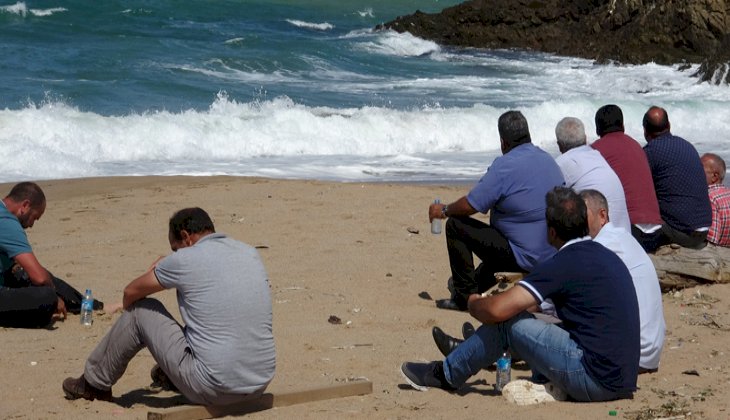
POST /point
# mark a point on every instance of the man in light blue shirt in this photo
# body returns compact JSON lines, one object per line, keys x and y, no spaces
{"x":513,"y":192}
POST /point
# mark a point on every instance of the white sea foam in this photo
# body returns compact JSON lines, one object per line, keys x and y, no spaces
{"x":405,"y":44}
{"x":309,"y":25}
{"x":366,"y":12}
{"x":280,"y":138}
{"x":20,"y":8}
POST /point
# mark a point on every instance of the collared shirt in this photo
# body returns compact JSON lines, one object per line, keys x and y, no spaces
{"x":584,"y":168}
{"x":513,"y":191}
{"x":648,"y":292}
{"x":719,"y":233}
{"x":595,"y":298}
{"x":679,"y":182}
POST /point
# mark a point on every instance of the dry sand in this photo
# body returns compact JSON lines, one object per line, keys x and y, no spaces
{"x":330,"y":249}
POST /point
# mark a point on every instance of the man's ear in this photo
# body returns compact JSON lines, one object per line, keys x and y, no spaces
{"x":24,"y":206}
{"x":603,"y":214}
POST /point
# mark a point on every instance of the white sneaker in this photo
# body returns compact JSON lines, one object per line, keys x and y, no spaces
{"x":524,"y":392}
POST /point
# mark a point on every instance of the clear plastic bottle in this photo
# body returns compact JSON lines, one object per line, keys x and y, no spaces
{"x":504,"y":371}
{"x":87,"y":308}
{"x":436,"y":223}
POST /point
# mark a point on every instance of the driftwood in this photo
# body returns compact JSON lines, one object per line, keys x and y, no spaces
{"x":679,"y":268}
{"x":267,"y":401}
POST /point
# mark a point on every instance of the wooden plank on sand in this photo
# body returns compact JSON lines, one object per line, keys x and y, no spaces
{"x":267,"y":400}
{"x":683,"y":267}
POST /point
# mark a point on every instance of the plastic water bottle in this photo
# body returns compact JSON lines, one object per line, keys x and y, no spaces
{"x":436,"y":223}
{"x":87,"y":308}
{"x":504,"y":371}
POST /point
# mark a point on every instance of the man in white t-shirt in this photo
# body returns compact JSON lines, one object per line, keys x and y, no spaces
{"x":643,"y":274}
{"x":584,"y":168}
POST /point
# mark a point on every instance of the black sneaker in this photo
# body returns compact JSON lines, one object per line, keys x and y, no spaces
{"x":160,"y":379}
{"x":422,"y":376}
{"x":445,"y":343}
{"x":467,"y":330}
{"x":76,"y":388}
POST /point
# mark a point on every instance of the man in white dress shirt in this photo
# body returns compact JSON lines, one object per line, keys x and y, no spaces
{"x":643,"y":274}
{"x":584,"y":168}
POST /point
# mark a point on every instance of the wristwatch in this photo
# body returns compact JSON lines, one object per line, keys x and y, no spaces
{"x":444,"y":209}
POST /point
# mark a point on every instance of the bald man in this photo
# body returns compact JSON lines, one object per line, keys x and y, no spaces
{"x":679,"y":182}
{"x":719,"y":194}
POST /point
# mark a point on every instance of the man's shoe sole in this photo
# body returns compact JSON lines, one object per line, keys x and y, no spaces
{"x":410,"y":382}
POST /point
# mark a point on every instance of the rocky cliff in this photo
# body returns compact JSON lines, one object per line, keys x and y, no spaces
{"x":626,"y":31}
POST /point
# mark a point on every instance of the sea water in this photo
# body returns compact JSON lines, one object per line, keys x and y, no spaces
{"x":293,"y":89}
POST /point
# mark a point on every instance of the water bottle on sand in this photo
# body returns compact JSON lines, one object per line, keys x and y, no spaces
{"x":87,"y":308}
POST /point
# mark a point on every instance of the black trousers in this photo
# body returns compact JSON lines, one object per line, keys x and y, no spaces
{"x":23,"y":305}
{"x":466,"y":237}
{"x":667,"y":235}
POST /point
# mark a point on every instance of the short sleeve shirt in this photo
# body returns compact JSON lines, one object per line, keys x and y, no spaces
{"x":595,"y":298}
{"x":223,"y":294}
{"x":513,"y":190}
{"x":13,"y":240}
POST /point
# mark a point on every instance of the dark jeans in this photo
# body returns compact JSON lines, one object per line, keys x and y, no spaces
{"x":466,"y":237}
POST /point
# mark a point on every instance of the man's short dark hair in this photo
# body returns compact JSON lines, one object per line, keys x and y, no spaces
{"x":192,"y":220}
{"x":656,"y":122}
{"x":566,"y":213}
{"x":609,"y":119}
{"x":513,"y":129}
{"x":28,"y":191}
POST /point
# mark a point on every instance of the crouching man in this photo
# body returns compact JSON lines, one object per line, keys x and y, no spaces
{"x":594,"y":357}
{"x":225,"y":352}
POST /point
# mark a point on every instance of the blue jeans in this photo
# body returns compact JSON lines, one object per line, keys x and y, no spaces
{"x":547,"y":348}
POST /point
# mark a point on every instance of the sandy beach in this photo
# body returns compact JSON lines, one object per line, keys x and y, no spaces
{"x":360,"y":252}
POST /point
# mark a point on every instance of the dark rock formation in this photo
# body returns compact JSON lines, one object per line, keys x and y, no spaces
{"x":626,"y":31}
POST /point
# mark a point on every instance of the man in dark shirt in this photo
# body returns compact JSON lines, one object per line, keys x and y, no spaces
{"x":679,"y":181}
{"x":594,"y":357}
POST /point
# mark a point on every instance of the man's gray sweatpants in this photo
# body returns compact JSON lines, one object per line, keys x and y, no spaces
{"x":148,"y":324}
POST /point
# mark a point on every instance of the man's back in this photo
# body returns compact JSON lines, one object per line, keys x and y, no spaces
{"x":223,"y":294}
{"x":629,"y":162}
{"x":13,"y":240}
{"x":584,"y":168}
{"x":513,"y":190}
{"x":648,"y":292}
{"x":595,"y":298}
{"x":680,"y":184}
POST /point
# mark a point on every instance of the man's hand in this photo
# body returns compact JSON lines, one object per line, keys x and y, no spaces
{"x":60,"y":313}
{"x":436,"y":211}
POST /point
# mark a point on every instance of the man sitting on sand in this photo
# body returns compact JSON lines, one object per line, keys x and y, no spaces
{"x":593,"y":357}
{"x":30,"y":296}
{"x":584,"y":168}
{"x":679,"y":181}
{"x":512,"y":191}
{"x":719,"y":194}
{"x":628,"y":160}
{"x":225,"y":353}
{"x":643,"y":275}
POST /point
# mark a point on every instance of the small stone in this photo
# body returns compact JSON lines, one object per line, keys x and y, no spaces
{"x":335,"y":320}
{"x":412,"y":230}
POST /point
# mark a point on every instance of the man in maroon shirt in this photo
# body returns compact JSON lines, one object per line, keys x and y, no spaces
{"x":628,"y":160}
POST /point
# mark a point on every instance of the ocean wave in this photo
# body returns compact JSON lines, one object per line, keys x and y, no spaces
{"x":404,"y":45}
{"x":21,"y":9}
{"x":309,"y":25}
{"x":366,"y":12}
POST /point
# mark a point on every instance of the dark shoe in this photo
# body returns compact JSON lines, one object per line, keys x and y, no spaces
{"x":449,"y":304}
{"x":160,"y":379}
{"x":445,"y":343}
{"x":422,"y":376}
{"x":467,"y":330}
{"x":75,"y":388}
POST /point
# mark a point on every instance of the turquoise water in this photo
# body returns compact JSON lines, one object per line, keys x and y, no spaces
{"x":292,"y":89}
